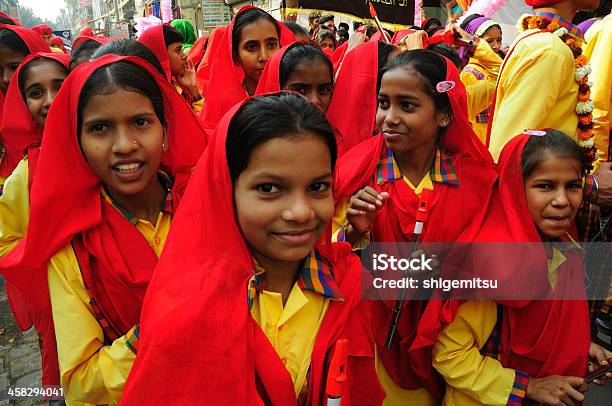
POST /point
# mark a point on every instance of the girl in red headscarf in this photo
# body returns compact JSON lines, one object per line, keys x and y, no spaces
{"x":427,"y":155}
{"x":44,"y":31}
{"x":536,"y":347}
{"x":262,"y":305}
{"x":58,"y":44}
{"x":84,"y":47}
{"x":249,"y":41}
{"x":115,"y":122}
{"x":166,"y":42}
{"x":301,"y":68}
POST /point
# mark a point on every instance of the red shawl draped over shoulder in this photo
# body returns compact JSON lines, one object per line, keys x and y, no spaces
{"x":451,"y":210}
{"x":352,"y":110}
{"x":198,"y":342}
{"x":35,"y":43}
{"x":66,"y":206}
{"x":196,"y":52}
{"x":225,"y":88}
{"x":203,"y":67}
{"x":557,"y":339}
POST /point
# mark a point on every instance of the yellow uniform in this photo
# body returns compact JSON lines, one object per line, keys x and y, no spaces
{"x":14,"y":208}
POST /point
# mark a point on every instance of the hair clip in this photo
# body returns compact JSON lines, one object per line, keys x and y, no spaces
{"x":537,"y":133}
{"x":445,"y":86}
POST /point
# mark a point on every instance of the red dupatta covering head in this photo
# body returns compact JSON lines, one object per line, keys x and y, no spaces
{"x":42,"y":29}
{"x":205,"y":304}
{"x":203,"y":68}
{"x":58,"y":43}
{"x":539,"y":337}
{"x":196,"y":52}
{"x":86,"y":36}
{"x":352,"y":110}
{"x":21,"y":132}
{"x":270,"y":78}
{"x":65,"y":206}
{"x":451,"y":210}
{"x":225,"y":86}
{"x":154,"y":39}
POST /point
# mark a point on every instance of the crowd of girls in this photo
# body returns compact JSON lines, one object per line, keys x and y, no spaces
{"x":179,"y":218}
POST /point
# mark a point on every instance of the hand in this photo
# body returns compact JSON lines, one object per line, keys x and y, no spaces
{"x":188,"y":79}
{"x":603,"y":175}
{"x":363,"y":207}
{"x":413,"y":41}
{"x":355,"y":39}
{"x":555,"y":390}
{"x":460,"y":34}
{"x":598,"y":357}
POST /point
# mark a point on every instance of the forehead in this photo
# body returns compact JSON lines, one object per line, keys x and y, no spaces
{"x":553,"y":167}
{"x":259,"y":30}
{"x":120,"y":103}
{"x":492,"y":32}
{"x":8,"y":55}
{"x":403,"y":81}
{"x":44,"y":69}
{"x":311,"y":72}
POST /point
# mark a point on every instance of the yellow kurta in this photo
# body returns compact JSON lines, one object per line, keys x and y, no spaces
{"x":599,"y":52}
{"x":91,"y":372}
{"x":536,"y":89}
{"x":14,"y":208}
{"x":292,"y":329}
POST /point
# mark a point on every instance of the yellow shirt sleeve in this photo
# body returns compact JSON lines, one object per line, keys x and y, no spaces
{"x":471,"y":377}
{"x":14,"y":208}
{"x":91,"y":372}
{"x":536,"y":89}
{"x":486,"y":57}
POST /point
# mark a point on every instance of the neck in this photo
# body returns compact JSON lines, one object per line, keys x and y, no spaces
{"x":280,"y":275}
{"x":415,"y":163}
{"x":250,"y":86}
{"x":566,"y":10}
{"x":145,"y":205}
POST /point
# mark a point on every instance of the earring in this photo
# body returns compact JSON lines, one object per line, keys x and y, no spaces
{"x":134,"y":141}
{"x":163,"y":146}
{"x":443,"y":123}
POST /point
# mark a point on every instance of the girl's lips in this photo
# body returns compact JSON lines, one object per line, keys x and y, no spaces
{"x":129,"y":172}
{"x":292,"y":238}
{"x":392,"y":135}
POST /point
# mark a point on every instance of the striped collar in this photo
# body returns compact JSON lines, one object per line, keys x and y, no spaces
{"x":166,"y":206}
{"x":571,"y":28}
{"x":442,"y":170}
{"x":316,"y":276}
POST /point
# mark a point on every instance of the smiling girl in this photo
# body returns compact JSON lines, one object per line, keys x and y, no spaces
{"x":250,"y":40}
{"x":263,"y":303}
{"x":301,"y":68}
{"x":111,"y":127}
{"x":426,"y":143}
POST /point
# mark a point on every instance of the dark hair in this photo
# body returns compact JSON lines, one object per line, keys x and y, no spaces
{"x":23,"y":73}
{"x":384,"y":50}
{"x":129,"y":47}
{"x":431,"y":23}
{"x":554,"y":142}
{"x":343,"y":25}
{"x":313,"y":16}
{"x":432,"y":69}
{"x":325,"y":18}
{"x":245,"y":18}
{"x":447,"y":51}
{"x":121,"y":75}
{"x":297,"y":54}
{"x":326,"y":34}
{"x":469,"y":19}
{"x":356,"y":25}
{"x":279,"y":115}
{"x":296,"y":28}
{"x":344,"y":35}
{"x":83,"y":52}
{"x":9,"y":39}
{"x":171,"y":36}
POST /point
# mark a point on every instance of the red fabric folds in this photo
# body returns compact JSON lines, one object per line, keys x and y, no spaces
{"x":9,"y":18}
{"x":196,"y":52}
{"x":270,"y":78}
{"x":154,"y":39}
{"x":86,"y":36}
{"x":352,"y":110}
{"x":209,"y":294}
{"x":43,"y":29}
{"x":65,"y":203}
{"x":451,"y":210}
{"x":225,"y":86}
{"x":203,"y":68}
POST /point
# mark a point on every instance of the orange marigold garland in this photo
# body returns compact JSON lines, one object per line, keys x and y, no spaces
{"x":584,"y":105}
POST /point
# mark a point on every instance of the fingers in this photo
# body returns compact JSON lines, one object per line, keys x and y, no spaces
{"x":573,"y":393}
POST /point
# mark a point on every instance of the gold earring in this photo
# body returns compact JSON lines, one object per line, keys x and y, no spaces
{"x":134,"y":141}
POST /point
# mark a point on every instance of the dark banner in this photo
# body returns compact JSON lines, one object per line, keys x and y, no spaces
{"x":389,"y":11}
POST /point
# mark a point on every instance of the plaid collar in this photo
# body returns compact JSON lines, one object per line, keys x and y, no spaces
{"x":316,"y":276}
{"x":442,"y":170}
{"x":571,"y":28}
{"x":166,"y":206}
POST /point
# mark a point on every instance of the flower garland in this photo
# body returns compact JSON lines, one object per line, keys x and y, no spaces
{"x":584,"y":106}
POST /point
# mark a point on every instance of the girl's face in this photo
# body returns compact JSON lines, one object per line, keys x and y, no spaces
{"x":258,"y":43}
{"x":41,"y":85}
{"x":313,"y":80}
{"x":121,"y":138}
{"x":282,"y":211}
{"x":554,"y":194}
{"x":406,"y":116}
{"x":178,"y":59}
{"x":9,"y":62}
{"x":494,"y":37}
{"x":327,"y":43}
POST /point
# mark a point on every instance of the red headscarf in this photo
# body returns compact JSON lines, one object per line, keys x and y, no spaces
{"x":270,"y":78}
{"x":86,"y":36}
{"x":209,"y":293}
{"x":43,"y":29}
{"x":542,"y":3}
{"x":338,"y":55}
{"x":115,"y":259}
{"x":154,"y":39}
{"x":86,"y":32}
{"x":352,"y":110}
{"x":203,"y":69}
{"x":196,"y":52}
{"x":58,"y":43}
{"x":21,"y":132}
{"x":225,"y":87}
{"x":451,"y":210}
{"x":9,"y":18}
